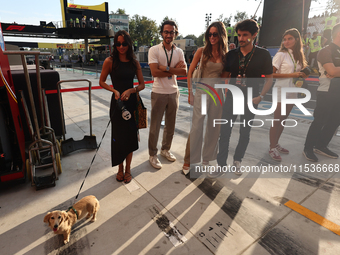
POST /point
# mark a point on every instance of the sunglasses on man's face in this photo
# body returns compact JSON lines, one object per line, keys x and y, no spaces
{"x":213,"y":34}
{"x":118,"y":44}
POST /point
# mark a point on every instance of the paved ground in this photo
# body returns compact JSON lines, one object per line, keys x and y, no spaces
{"x":252,"y":214}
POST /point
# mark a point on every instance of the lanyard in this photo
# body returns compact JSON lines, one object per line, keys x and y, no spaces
{"x":246,"y":61}
{"x":293,"y":61}
{"x":167,"y":59}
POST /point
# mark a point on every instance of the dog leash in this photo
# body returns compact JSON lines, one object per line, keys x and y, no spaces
{"x":92,"y":161}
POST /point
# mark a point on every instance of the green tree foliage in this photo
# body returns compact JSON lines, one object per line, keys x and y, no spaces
{"x":199,"y":41}
{"x":239,"y":16}
{"x":193,"y":37}
{"x":225,"y":20}
{"x":143,"y":29}
{"x":333,"y":6}
{"x":120,"y":11}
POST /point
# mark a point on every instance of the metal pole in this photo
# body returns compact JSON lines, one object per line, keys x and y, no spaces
{"x":90,"y":106}
{"x":303,"y":15}
{"x":256,"y":10}
{"x":37,"y":68}
{"x":30,"y":94}
{"x":62,"y":109}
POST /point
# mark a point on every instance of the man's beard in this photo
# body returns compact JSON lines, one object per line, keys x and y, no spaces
{"x":167,"y":38}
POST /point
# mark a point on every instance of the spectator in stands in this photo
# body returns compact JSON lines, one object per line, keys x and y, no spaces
{"x":326,"y":114}
{"x":83,"y":21}
{"x":91,"y":20}
{"x":97,"y":23}
{"x":71,"y":22}
{"x":77,"y":22}
{"x":287,"y":64}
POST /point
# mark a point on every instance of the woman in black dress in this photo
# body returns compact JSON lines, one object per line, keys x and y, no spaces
{"x":122,"y":67}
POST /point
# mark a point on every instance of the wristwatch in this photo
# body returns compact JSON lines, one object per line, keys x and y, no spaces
{"x":261,"y":96}
{"x":167,"y":68}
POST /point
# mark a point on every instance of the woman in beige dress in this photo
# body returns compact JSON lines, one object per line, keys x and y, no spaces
{"x":212,"y":55}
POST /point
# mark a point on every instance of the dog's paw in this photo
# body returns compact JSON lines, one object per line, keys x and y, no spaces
{"x":66,"y":241}
{"x":88,"y":216}
{"x":93,"y":219}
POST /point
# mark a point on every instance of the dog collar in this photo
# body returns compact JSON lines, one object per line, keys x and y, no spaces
{"x":73,"y":210}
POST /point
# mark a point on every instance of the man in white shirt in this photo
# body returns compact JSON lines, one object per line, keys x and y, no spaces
{"x":166,"y":61}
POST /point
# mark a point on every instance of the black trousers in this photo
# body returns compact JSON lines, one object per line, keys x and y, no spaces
{"x":312,"y":56}
{"x":326,"y":119}
{"x":226,"y":129}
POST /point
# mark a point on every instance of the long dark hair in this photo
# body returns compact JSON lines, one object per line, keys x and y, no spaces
{"x":129,"y":54}
{"x":223,"y":42}
{"x":298,"y":54}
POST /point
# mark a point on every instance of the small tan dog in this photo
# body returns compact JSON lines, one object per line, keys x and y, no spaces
{"x":61,"y":222}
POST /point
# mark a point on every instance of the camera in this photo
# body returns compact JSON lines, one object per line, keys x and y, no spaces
{"x":307,"y":70}
{"x":126,"y":115}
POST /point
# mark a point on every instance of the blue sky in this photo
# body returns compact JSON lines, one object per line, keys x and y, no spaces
{"x":189,"y":14}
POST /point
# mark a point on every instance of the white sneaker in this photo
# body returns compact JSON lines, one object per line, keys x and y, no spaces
{"x":169,"y":156}
{"x":237,"y":164}
{"x":154,"y":161}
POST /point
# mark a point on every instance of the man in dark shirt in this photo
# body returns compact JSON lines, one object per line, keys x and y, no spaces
{"x":326,"y":113}
{"x":245,"y":66}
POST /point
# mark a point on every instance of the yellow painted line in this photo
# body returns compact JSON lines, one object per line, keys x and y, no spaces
{"x":314,"y":217}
